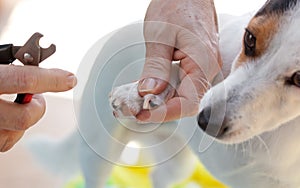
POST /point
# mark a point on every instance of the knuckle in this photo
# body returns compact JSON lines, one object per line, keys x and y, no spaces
{"x":26,"y":82}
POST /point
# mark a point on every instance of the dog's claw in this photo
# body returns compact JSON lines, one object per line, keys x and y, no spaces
{"x":151,"y":101}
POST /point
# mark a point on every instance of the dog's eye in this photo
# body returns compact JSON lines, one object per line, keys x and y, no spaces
{"x":295,"y":80}
{"x":249,"y":43}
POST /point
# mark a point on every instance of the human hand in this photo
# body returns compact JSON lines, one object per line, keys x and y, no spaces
{"x":15,"y":118}
{"x":184,"y":31}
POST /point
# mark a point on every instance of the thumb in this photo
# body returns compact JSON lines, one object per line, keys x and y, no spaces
{"x":160,"y":39}
{"x":157,"y":69}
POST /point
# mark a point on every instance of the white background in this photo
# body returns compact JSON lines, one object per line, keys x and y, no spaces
{"x":75,"y":25}
{"x":237,"y":7}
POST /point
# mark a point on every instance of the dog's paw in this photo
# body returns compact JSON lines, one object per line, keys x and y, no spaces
{"x":126,"y":101}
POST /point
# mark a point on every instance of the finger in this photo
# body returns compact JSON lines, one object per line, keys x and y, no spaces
{"x":194,"y":83}
{"x":158,"y":61}
{"x":157,"y":68}
{"x":179,"y":55}
{"x":32,"y":79}
{"x":190,"y":91}
{"x":201,"y":47}
{"x":9,"y":138}
{"x":160,"y":40}
{"x":174,"y":109}
{"x":157,"y":85}
{"x":19,"y":117}
{"x":151,"y":86}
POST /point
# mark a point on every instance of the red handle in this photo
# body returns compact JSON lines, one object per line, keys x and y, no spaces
{"x":23,"y":98}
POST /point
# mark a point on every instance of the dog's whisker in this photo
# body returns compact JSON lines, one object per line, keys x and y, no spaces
{"x":264,"y":144}
{"x":249,"y":146}
{"x":244,"y":148}
{"x":236,"y":149}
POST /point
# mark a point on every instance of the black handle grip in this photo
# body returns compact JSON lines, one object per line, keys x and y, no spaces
{"x":6,"y":54}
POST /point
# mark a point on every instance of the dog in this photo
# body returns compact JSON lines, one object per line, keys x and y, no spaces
{"x":258,"y":112}
{"x":252,"y":115}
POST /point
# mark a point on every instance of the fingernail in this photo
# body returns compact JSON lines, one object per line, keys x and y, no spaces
{"x":71,"y":81}
{"x":147,"y":85}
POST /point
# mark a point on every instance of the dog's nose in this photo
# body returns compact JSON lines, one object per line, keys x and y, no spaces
{"x":203,"y":118}
{"x":213,"y":125}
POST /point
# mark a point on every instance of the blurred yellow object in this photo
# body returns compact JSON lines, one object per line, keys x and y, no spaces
{"x":202,"y":178}
{"x":139,"y":177}
{"x":136,"y":177}
{"x":133,"y":177}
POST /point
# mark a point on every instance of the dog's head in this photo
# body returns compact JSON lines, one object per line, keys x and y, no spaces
{"x":262,"y":92}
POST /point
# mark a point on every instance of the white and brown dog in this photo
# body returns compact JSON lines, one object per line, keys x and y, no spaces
{"x":253,"y":114}
{"x":259,"y":111}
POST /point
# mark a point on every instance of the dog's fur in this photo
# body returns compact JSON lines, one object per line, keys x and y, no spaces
{"x":253,"y":112}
